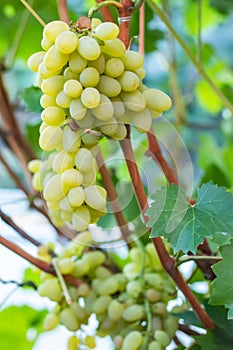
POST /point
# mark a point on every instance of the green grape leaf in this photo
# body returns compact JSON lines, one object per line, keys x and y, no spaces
{"x":31,"y":96}
{"x":222,"y":293}
{"x":33,"y":275}
{"x":221,"y":337}
{"x":184,"y":225}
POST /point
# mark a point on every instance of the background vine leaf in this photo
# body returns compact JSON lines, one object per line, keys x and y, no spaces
{"x":185,"y":225}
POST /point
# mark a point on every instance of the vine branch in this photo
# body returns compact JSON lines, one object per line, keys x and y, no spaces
{"x":63,"y":10}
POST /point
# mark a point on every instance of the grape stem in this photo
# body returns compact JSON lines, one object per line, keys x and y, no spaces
{"x":62,"y":282}
{"x":102,"y":4}
{"x":42,"y":265}
{"x":34,"y":14}
{"x":184,"y":259}
{"x":149,"y":325}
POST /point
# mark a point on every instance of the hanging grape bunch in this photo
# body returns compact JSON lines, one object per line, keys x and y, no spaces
{"x":92,"y":86}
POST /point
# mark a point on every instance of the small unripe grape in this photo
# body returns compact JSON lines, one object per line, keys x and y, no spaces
{"x":131,"y":271}
{"x":118,"y":107}
{"x":135,"y":100}
{"x":34,"y":165}
{"x":102,"y":272}
{"x":152,"y":295}
{"x":76,"y":196}
{"x":162,"y":337}
{"x":100,"y":305}
{"x":108,"y":286}
{"x":90,"y":97}
{"x":52,"y":29}
{"x":53,"y":85}
{"x":71,"y":140}
{"x":82,"y":268}
{"x":66,"y":42}
{"x":159,"y":308}
{"x":44,"y":73}
{"x":83,"y":159}
{"x":133,"y":313}
{"x":154,"y":345}
{"x":62,"y":100}
{"x":66,"y":265}
{"x":129,"y":81}
{"x":80,"y":312}
{"x":109,"y":128}
{"x":114,"y":47}
{"x":77,"y":109}
{"x":81,"y":218}
{"x":115,"y":310}
{"x":107,"y":31}
{"x":142,"y":120}
{"x":98,"y":64}
{"x":54,"y":116}
{"x":132,"y":341}
{"x":51,"y":288}
{"x":154,"y":280}
{"x":83,"y":290}
{"x":95,"y":22}
{"x":35,"y":60}
{"x":77,"y":63}
{"x":109,"y":86}
{"x":104,"y":111}
{"x":73,"y":88}
{"x":121,"y":132}
{"x":70,"y":74}
{"x":114,"y":67}
{"x":69,"y":319}
{"x":54,"y":190}
{"x":88,"y":48}
{"x":50,"y":322}
{"x":170,"y":325}
{"x":62,"y":161}
{"x":46,"y":44}
{"x":89,"y":77}
{"x":95,"y":258}
{"x":50,"y":138}
{"x":134,"y":288}
{"x":132,"y":60}
{"x":95,"y":197}
{"x":54,"y":60}
{"x":157,"y":100}
{"x":47,"y":101}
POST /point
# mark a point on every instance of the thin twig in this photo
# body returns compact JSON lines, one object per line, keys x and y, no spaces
{"x":34,"y":14}
{"x":192,"y":58}
{"x":184,"y":259}
{"x":65,"y":290}
{"x":20,"y":284}
{"x":63,"y":10}
{"x":42,"y":265}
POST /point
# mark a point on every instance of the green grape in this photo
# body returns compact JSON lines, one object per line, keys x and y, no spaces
{"x":109,"y":86}
{"x":132,"y":341}
{"x":89,"y":77}
{"x":90,"y":97}
{"x":62,"y":161}
{"x":54,"y":60}
{"x":50,"y":138}
{"x":70,"y":74}
{"x":36,"y":182}
{"x":134,"y":288}
{"x":89,"y":341}
{"x":89,"y":177}
{"x":53,"y":205}
{"x":107,"y":31}
{"x":154,"y":345}
{"x":69,"y":319}
{"x":44,"y":73}
{"x":108,"y":286}
{"x":84,"y":159}
{"x":62,"y":100}
{"x":83,"y":238}
{"x":73,"y":343}
{"x":132,"y":60}
{"x":141,"y":73}
{"x":47,"y":101}
{"x":159,"y":308}
{"x":135,"y":100}
{"x":88,"y":48}
{"x":52,"y":29}
{"x":100,"y":305}
{"x":66,"y":265}
{"x":115,"y":310}
{"x":76,"y":62}
{"x":51,"y":288}
{"x":54,"y":116}
{"x":114,"y":47}
{"x":72,"y":178}
{"x":50,"y":321}
{"x":131,"y":271}
{"x":35,"y":60}
{"x":66,"y":215}
{"x":66,"y":42}
{"x":89,"y":139}
{"x":76,"y":196}
{"x":46,"y":44}
{"x":88,"y":121}
{"x":118,"y":107}
{"x":154,"y":280}
{"x":121,"y":132}
{"x":152,"y":295}
{"x":142,"y":120}
{"x":104,"y":111}
{"x":73,"y":88}
{"x":65,"y":205}
{"x":81,"y":218}
{"x":102,"y":272}
{"x":54,"y":189}
{"x":157,"y":100}
{"x":53,"y":85}
{"x":77,"y":109}
{"x":95,"y":197}
{"x":95,"y":22}
{"x":34,"y":165}
{"x":80,"y":312}
{"x":83,"y":290}
{"x":133,"y":313}
{"x":114,"y":67}
{"x":154,"y":258}
{"x":118,"y":341}
{"x":170,"y":325}
{"x":82,"y":268}
{"x":98,"y":64}
{"x":129,"y":81}
{"x":71,"y":140}
{"x":95,"y":258}
{"x":162,"y":337}
{"x":110,"y":128}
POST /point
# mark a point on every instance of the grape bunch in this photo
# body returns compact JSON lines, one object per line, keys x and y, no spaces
{"x":92,"y":86}
{"x":130,"y":304}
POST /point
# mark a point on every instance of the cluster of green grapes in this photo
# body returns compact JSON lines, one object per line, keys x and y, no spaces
{"x":130,"y":305}
{"x":92,"y":86}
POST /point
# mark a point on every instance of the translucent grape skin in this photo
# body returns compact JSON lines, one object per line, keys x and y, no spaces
{"x":132,"y":341}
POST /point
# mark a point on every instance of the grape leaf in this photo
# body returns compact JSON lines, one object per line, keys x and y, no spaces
{"x":185,"y":225}
{"x":222,"y":293}
{"x":31,"y":97}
